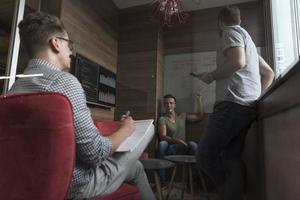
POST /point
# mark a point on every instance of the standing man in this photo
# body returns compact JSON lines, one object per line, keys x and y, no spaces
{"x":97,"y":170}
{"x":171,"y":129}
{"x":241,"y":76}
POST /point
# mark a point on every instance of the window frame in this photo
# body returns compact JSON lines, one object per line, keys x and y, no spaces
{"x":295,"y":5}
{"x":13,"y":51}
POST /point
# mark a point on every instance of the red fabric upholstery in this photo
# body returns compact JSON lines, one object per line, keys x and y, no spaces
{"x":144,"y":155}
{"x":37,"y":146}
{"x":107,"y":127}
{"x":125,"y":192}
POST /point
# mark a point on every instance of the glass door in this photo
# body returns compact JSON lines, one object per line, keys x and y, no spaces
{"x":13,"y":58}
{"x":7,"y":8}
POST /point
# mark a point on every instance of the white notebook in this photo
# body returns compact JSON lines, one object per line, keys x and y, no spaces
{"x":142,"y":128}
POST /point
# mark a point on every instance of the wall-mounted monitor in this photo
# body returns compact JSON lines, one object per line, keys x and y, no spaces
{"x":98,"y":82}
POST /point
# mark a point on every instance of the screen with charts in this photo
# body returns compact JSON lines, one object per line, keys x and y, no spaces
{"x":98,"y":82}
{"x":142,"y":128}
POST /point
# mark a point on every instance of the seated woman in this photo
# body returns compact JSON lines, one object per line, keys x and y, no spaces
{"x":171,"y":128}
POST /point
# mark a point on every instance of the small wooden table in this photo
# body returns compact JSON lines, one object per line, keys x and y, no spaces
{"x":186,"y":161}
{"x":155,"y":165}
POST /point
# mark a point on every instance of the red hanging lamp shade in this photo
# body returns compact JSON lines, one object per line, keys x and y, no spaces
{"x":169,"y":13}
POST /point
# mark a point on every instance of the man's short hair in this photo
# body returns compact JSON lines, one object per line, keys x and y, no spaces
{"x":36,"y":30}
{"x":230,"y":15}
{"x":167,"y":96}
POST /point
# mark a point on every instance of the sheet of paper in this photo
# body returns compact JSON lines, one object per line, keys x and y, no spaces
{"x":142,"y":128}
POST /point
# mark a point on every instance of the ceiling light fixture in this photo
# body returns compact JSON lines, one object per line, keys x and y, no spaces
{"x":169,"y":12}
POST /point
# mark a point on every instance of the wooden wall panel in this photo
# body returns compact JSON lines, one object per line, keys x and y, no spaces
{"x":139,"y":64}
{"x":93,"y":39}
{"x":52,"y":6}
{"x":136,"y":89}
{"x":200,"y":33}
{"x":34,"y":4}
{"x":94,"y":28}
{"x":279,"y":113}
{"x":159,"y":72}
{"x":252,"y":159}
{"x":282,"y":155}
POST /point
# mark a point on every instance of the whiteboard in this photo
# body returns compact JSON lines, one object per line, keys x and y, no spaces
{"x":178,"y":82}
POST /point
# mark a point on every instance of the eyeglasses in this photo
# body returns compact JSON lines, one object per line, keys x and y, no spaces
{"x":71,"y":43}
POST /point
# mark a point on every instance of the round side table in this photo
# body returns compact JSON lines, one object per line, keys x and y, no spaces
{"x":186,"y":161}
{"x":153,"y":164}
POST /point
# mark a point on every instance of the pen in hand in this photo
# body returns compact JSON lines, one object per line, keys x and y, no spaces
{"x":128,"y":122}
{"x":125,"y":116}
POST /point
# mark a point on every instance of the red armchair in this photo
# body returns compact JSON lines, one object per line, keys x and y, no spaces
{"x":37,"y":148}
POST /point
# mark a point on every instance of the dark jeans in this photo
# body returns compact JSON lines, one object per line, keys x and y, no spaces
{"x":221,"y":147}
{"x":166,"y":148}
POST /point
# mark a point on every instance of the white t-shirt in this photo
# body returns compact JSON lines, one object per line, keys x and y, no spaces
{"x":243,"y":86}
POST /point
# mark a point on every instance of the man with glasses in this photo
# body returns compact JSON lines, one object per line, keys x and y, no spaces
{"x":97,"y":170}
{"x":70,"y":43}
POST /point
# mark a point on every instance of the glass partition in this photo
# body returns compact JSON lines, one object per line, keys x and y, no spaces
{"x":13,"y":58}
{"x":6,"y":19}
